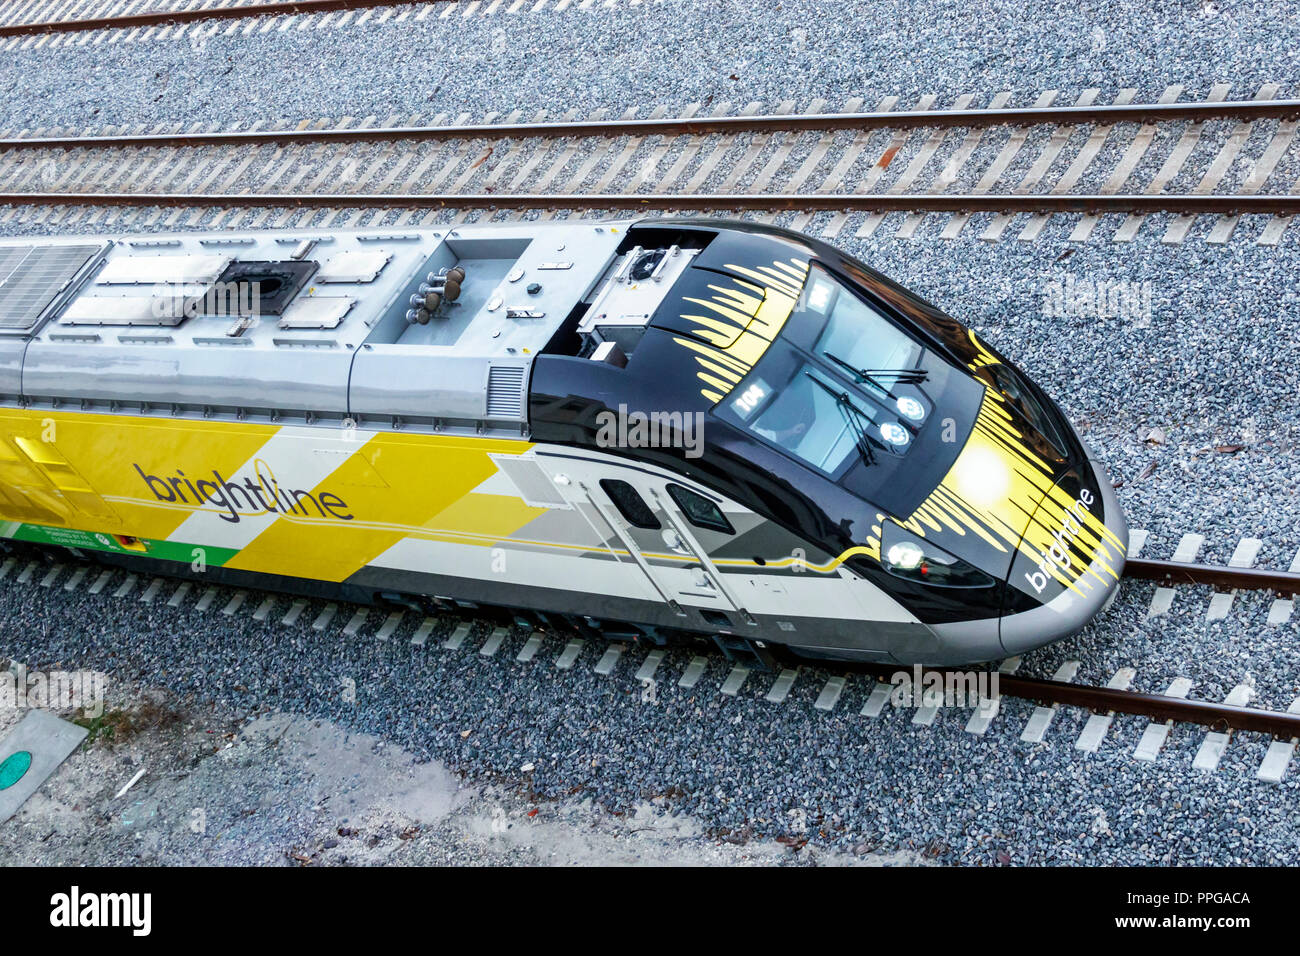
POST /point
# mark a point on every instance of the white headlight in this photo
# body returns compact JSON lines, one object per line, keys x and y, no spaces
{"x":905,"y":555}
{"x":911,"y":408}
{"x":894,"y":433}
{"x":819,"y":296}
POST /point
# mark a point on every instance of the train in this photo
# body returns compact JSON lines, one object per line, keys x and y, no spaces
{"x":657,"y":429}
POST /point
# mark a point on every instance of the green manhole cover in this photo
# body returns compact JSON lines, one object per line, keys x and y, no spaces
{"x":14,"y":768}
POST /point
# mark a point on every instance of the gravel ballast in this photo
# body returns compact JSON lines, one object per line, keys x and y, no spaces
{"x":1211,"y":365}
{"x":672,"y":53}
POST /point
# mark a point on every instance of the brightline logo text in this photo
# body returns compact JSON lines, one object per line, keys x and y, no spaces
{"x":246,"y":497}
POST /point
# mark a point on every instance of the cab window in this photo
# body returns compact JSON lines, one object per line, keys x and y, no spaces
{"x":630,"y":504}
{"x":700,"y":511}
{"x":815,"y":417}
{"x":837,"y":323}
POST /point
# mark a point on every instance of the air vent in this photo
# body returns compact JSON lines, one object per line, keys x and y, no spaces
{"x":505,"y":391}
{"x":534,"y":484}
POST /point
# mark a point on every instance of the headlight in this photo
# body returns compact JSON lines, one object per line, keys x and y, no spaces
{"x":913,"y":558}
{"x":894,"y":433}
{"x":910,"y":408}
{"x":905,"y":556}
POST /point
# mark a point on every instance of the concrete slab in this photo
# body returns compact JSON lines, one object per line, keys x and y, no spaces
{"x":30,"y":754}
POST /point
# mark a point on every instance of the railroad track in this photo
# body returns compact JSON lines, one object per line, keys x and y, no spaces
{"x":61,"y":16}
{"x":1163,"y":710}
{"x":834,"y":166}
{"x":52,"y":23}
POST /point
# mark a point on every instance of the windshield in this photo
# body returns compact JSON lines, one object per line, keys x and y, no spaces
{"x":830,"y":319}
{"x":858,"y":390}
{"x":794,"y":405}
{"x":845,"y":391}
{"x":819,"y":418}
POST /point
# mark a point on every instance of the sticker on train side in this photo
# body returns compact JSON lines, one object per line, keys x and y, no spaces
{"x":120,"y":544}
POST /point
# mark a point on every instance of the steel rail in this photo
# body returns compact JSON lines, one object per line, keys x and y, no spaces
{"x":1284,"y":726}
{"x":1178,"y":572}
{"x":1287,"y":205}
{"x":1106,"y":700}
{"x":693,"y":126}
{"x":150,"y":18}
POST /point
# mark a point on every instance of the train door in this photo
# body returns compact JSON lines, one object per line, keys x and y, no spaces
{"x":662,"y":524}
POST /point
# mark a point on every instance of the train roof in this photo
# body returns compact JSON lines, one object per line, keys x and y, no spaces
{"x":140,"y":322}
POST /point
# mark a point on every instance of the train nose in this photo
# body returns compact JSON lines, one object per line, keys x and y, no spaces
{"x":1068,"y":567}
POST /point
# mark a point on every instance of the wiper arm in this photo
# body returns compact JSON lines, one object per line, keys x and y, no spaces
{"x":853,"y":417}
{"x":873,"y":376}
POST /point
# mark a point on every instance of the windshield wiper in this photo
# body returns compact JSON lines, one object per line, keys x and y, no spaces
{"x":853,"y":417}
{"x":872,"y":376}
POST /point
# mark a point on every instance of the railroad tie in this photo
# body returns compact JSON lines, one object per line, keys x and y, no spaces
{"x":781,"y":686}
{"x":178,"y":596}
{"x":1041,"y":718}
{"x":830,"y":694}
{"x":1243,"y":557}
{"x":294,"y":612}
{"x":694,"y":671}
{"x":530,"y":648}
{"x":423,"y":631}
{"x":1279,"y":755}
{"x":569,"y":656}
{"x":264,"y":609}
{"x":1155,"y":735}
{"x":1216,"y":741}
{"x":1094,"y":731}
{"x":735,"y":680}
{"x":390,"y":625}
{"x":646,"y":671}
{"x":1186,"y":552}
{"x":494,"y":642}
{"x":457,"y":637}
{"x":1280,"y":611}
{"x":988,"y":709}
{"x":609,"y":660}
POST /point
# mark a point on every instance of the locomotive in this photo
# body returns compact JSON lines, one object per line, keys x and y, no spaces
{"x":657,"y":428}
